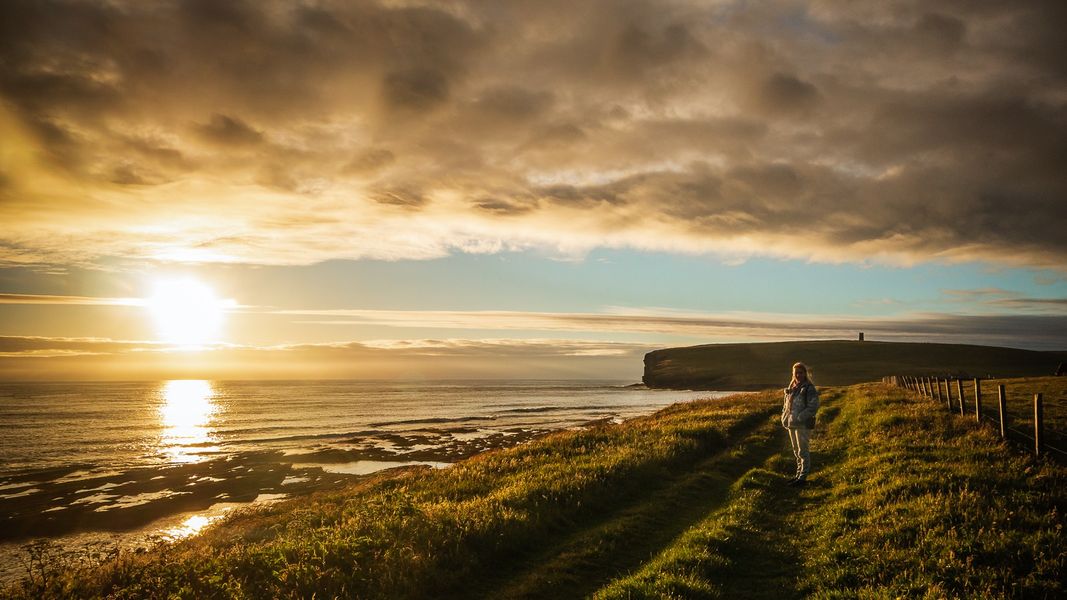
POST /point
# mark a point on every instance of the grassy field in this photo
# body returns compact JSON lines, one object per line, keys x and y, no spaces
{"x":762,"y":366}
{"x":1019,"y":403}
{"x":907,"y":500}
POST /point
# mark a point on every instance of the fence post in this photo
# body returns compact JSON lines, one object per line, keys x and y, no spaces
{"x":977,"y":400}
{"x":937,"y":389}
{"x":929,"y":390}
{"x":1003,"y":412}
{"x":1039,"y":424}
{"x":948,"y":395}
{"x":959,"y":392}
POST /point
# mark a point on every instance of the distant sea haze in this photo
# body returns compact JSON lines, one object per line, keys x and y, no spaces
{"x":159,"y":456}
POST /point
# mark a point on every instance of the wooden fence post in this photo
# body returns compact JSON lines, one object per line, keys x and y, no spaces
{"x":937,"y":389}
{"x":948,"y":394}
{"x":1003,"y":412}
{"x":1039,"y":424}
{"x":977,"y":400}
{"x":959,"y":393}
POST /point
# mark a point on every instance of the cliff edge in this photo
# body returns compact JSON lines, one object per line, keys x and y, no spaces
{"x":739,"y":367}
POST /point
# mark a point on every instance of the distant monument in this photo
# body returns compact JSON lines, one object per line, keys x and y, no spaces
{"x":861,"y":336}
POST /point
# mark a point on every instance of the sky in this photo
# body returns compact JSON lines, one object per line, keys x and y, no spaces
{"x":515,"y":189}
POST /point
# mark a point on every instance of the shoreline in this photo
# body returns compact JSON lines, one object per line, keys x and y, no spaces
{"x":97,"y":507}
{"x":134,"y":510}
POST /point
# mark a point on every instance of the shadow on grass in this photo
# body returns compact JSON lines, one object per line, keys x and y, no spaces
{"x":624,"y":539}
{"x":765,"y":558}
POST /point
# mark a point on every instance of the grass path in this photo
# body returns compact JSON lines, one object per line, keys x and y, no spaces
{"x":745,"y":546}
{"x":906,"y":501}
{"x":595,"y":553}
{"x":625,"y":540}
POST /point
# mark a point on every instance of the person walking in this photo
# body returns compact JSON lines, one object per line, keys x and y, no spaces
{"x":798,"y":418}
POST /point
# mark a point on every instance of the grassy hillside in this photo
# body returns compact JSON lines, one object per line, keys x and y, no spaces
{"x":905,"y":500}
{"x":761,"y":366}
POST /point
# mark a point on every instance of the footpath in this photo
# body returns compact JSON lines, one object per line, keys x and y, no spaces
{"x":905,"y":501}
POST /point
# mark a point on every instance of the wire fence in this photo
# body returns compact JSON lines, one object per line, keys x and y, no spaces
{"x":940,"y":389}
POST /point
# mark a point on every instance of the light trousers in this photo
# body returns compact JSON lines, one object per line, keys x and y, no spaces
{"x":800,"y":440}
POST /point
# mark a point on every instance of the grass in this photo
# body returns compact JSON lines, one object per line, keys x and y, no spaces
{"x":907,"y":500}
{"x":1019,"y":403}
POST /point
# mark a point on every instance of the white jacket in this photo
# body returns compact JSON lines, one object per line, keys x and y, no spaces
{"x":798,"y":410}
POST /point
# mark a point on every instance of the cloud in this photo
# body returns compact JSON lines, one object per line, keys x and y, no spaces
{"x":68,"y":300}
{"x":91,"y":358}
{"x":229,"y":131}
{"x":991,"y":316}
{"x":27,"y":358}
{"x":291,"y":133}
{"x":1000,"y":300}
{"x":1037,"y":330}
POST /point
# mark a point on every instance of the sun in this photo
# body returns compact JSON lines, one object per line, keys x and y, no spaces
{"x":186,"y":312}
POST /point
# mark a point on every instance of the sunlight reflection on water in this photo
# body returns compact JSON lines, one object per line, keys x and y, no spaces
{"x":185,"y":414}
{"x":190,"y":526}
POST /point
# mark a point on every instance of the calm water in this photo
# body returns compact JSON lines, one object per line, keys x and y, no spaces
{"x":118,"y":426}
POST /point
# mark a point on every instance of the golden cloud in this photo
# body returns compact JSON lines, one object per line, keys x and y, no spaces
{"x":291,"y":133}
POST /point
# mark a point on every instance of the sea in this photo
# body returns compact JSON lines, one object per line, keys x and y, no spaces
{"x":87,"y":469}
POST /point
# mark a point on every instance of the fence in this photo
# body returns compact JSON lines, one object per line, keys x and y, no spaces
{"x":931,"y":387}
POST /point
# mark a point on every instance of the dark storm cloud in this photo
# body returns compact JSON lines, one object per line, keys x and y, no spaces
{"x":828,"y":130}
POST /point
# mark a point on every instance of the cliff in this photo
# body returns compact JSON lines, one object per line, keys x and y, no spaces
{"x":734,"y":367}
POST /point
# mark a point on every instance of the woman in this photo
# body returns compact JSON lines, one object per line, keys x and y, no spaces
{"x":798,"y":418}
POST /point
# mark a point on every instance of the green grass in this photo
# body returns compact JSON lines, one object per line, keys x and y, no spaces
{"x":906,"y":500}
{"x":766,"y":365}
{"x":1019,"y":403}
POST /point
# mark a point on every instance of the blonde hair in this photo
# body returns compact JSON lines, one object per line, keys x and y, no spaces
{"x":807,"y":371}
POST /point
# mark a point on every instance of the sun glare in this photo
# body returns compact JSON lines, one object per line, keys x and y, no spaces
{"x":185,"y":413}
{"x":186,"y":312}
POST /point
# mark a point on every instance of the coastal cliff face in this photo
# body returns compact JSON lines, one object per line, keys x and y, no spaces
{"x":740,"y":367}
